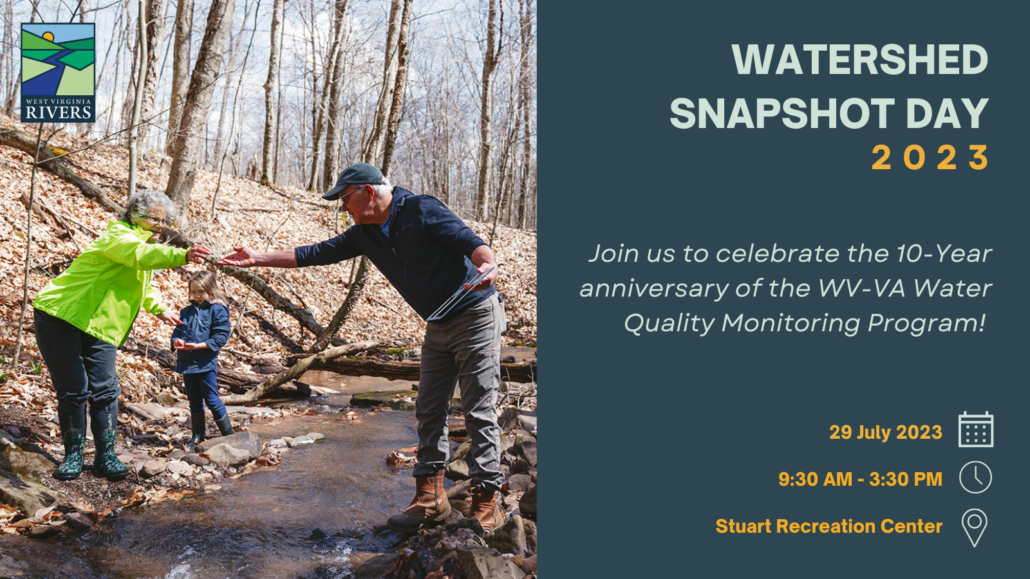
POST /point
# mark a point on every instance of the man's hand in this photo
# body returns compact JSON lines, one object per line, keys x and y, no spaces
{"x":168,"y":317}
{"x":179,"y":345}
{"x":242,"y":257}
{"x":488,"y":280}
{"x":197,"y":254}
{"x":483,"y":258}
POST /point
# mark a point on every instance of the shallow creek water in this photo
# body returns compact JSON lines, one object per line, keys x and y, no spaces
{"x":262,"y":524}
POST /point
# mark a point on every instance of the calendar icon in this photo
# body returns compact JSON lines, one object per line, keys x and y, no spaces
{"x":976,"y":430}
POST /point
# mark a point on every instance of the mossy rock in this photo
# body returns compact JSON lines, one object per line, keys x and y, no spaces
{"x":396,"y":399}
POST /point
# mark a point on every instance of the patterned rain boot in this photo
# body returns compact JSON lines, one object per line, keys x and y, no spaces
{"x":73,"y":431}
{"x":104,"y":426}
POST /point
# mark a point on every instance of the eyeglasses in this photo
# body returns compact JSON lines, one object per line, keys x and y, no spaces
{"x":343,"y":200}
{"x":156,"y":220}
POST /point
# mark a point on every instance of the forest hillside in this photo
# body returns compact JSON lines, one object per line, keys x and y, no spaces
{"x":246,"y":213}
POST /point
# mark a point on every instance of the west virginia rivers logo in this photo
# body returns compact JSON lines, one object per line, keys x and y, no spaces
{"x":57,"y":73}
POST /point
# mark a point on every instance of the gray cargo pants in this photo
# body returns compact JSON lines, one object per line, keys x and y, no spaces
{"x":467,"y":351}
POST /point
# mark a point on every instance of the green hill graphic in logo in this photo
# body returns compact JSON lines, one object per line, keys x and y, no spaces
{"x":57,"y":60}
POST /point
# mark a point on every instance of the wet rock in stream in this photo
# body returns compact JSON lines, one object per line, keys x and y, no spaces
{"x":225,"y":455}
{"x":244,"y":441}
{"x":298,"y":441}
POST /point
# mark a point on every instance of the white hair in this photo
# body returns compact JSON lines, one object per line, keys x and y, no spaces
{"x":384,"y":188}
{"x":143,"y":200}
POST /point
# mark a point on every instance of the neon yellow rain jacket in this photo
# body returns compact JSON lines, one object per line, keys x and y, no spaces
{"x":103,"y":289}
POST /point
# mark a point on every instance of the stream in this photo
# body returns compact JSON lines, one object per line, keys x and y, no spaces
{"x":304,"y":518}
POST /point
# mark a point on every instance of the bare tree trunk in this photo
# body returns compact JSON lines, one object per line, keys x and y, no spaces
{"x":502,"y":185}
{"x":196,"y":107}
{"x":339,"y":28}
{"x":235,"y":99}
{"x":373,"y":147}
{"x":117,"y":68}
{"x":314,"y":94}
{"x":445,"y":192}
{"x":278,"y":122}
{"x":525,"y":81}
{"x":485,"y":124}
{"x":273,"y":70}
{"x":233,"y":49}
{"x":128,"y":104}
{"x":82,"y":8}
{"x":28,"y":247}
{"x":137,"y":104}
{"x":12,"y":68}
{"x":155,"y":27}
{"x":335,"y":117}
{"x":13,"y":99}
{"x":180,"y":70}
{"x":398,"y":89}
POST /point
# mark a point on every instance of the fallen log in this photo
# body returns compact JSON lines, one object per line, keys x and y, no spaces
{"x":47,"y":214}
{"x":234,"y":381}
{"x":296,"y":370}
{"x":48,"y":162}
{"x":406,"y":370}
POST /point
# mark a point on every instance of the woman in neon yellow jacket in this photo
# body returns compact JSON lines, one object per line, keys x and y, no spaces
{"x":84,"y":314}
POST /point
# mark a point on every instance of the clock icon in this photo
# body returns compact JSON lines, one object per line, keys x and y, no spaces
{"x":975,"y":477}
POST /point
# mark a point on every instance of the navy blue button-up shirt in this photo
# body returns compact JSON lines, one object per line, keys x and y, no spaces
{"x":426,"y":255}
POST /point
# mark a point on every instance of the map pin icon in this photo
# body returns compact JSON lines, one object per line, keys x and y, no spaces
{"x":974,"y":521}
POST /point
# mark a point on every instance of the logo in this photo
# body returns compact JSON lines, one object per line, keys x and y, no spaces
{"x":57,"y":73}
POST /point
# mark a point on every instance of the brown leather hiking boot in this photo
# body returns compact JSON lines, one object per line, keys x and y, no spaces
{"x":484,"y":509}
{"x":430,"y":505}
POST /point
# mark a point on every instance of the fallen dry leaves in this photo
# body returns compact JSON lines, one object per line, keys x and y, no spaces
{"x":151,"y":497}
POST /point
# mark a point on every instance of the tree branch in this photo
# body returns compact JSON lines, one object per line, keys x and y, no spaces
{"x":296,"y":370}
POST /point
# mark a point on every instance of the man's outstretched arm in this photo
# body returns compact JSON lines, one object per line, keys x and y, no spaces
{"x":247,"y":257}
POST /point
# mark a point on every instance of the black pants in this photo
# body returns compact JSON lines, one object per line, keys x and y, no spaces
{"x":82,"y":366}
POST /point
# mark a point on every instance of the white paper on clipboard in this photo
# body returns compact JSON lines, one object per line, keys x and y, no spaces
{"x":445,"y":308}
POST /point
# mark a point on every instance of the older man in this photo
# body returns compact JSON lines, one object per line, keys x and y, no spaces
{"x":427,"y":253}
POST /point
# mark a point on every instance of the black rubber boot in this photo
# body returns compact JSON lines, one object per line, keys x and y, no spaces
{"x":199,"y":430}
{"x":224,"y":424}
{"x":104,"y":426}
{"x":73,"y":433}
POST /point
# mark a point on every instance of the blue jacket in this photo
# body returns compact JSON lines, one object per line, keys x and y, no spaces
{"x":207,"y":323}
{"x":426,"y":256}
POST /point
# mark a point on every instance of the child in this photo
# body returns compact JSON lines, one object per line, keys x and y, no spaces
{"x":205,"y":329}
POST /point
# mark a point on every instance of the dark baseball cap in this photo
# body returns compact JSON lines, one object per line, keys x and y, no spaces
{"x":356,"y":174}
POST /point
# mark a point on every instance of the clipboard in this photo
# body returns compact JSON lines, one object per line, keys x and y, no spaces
{"x":445,"y":308}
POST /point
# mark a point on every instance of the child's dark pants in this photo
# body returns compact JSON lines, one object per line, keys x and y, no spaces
{"x":201,"y":388}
